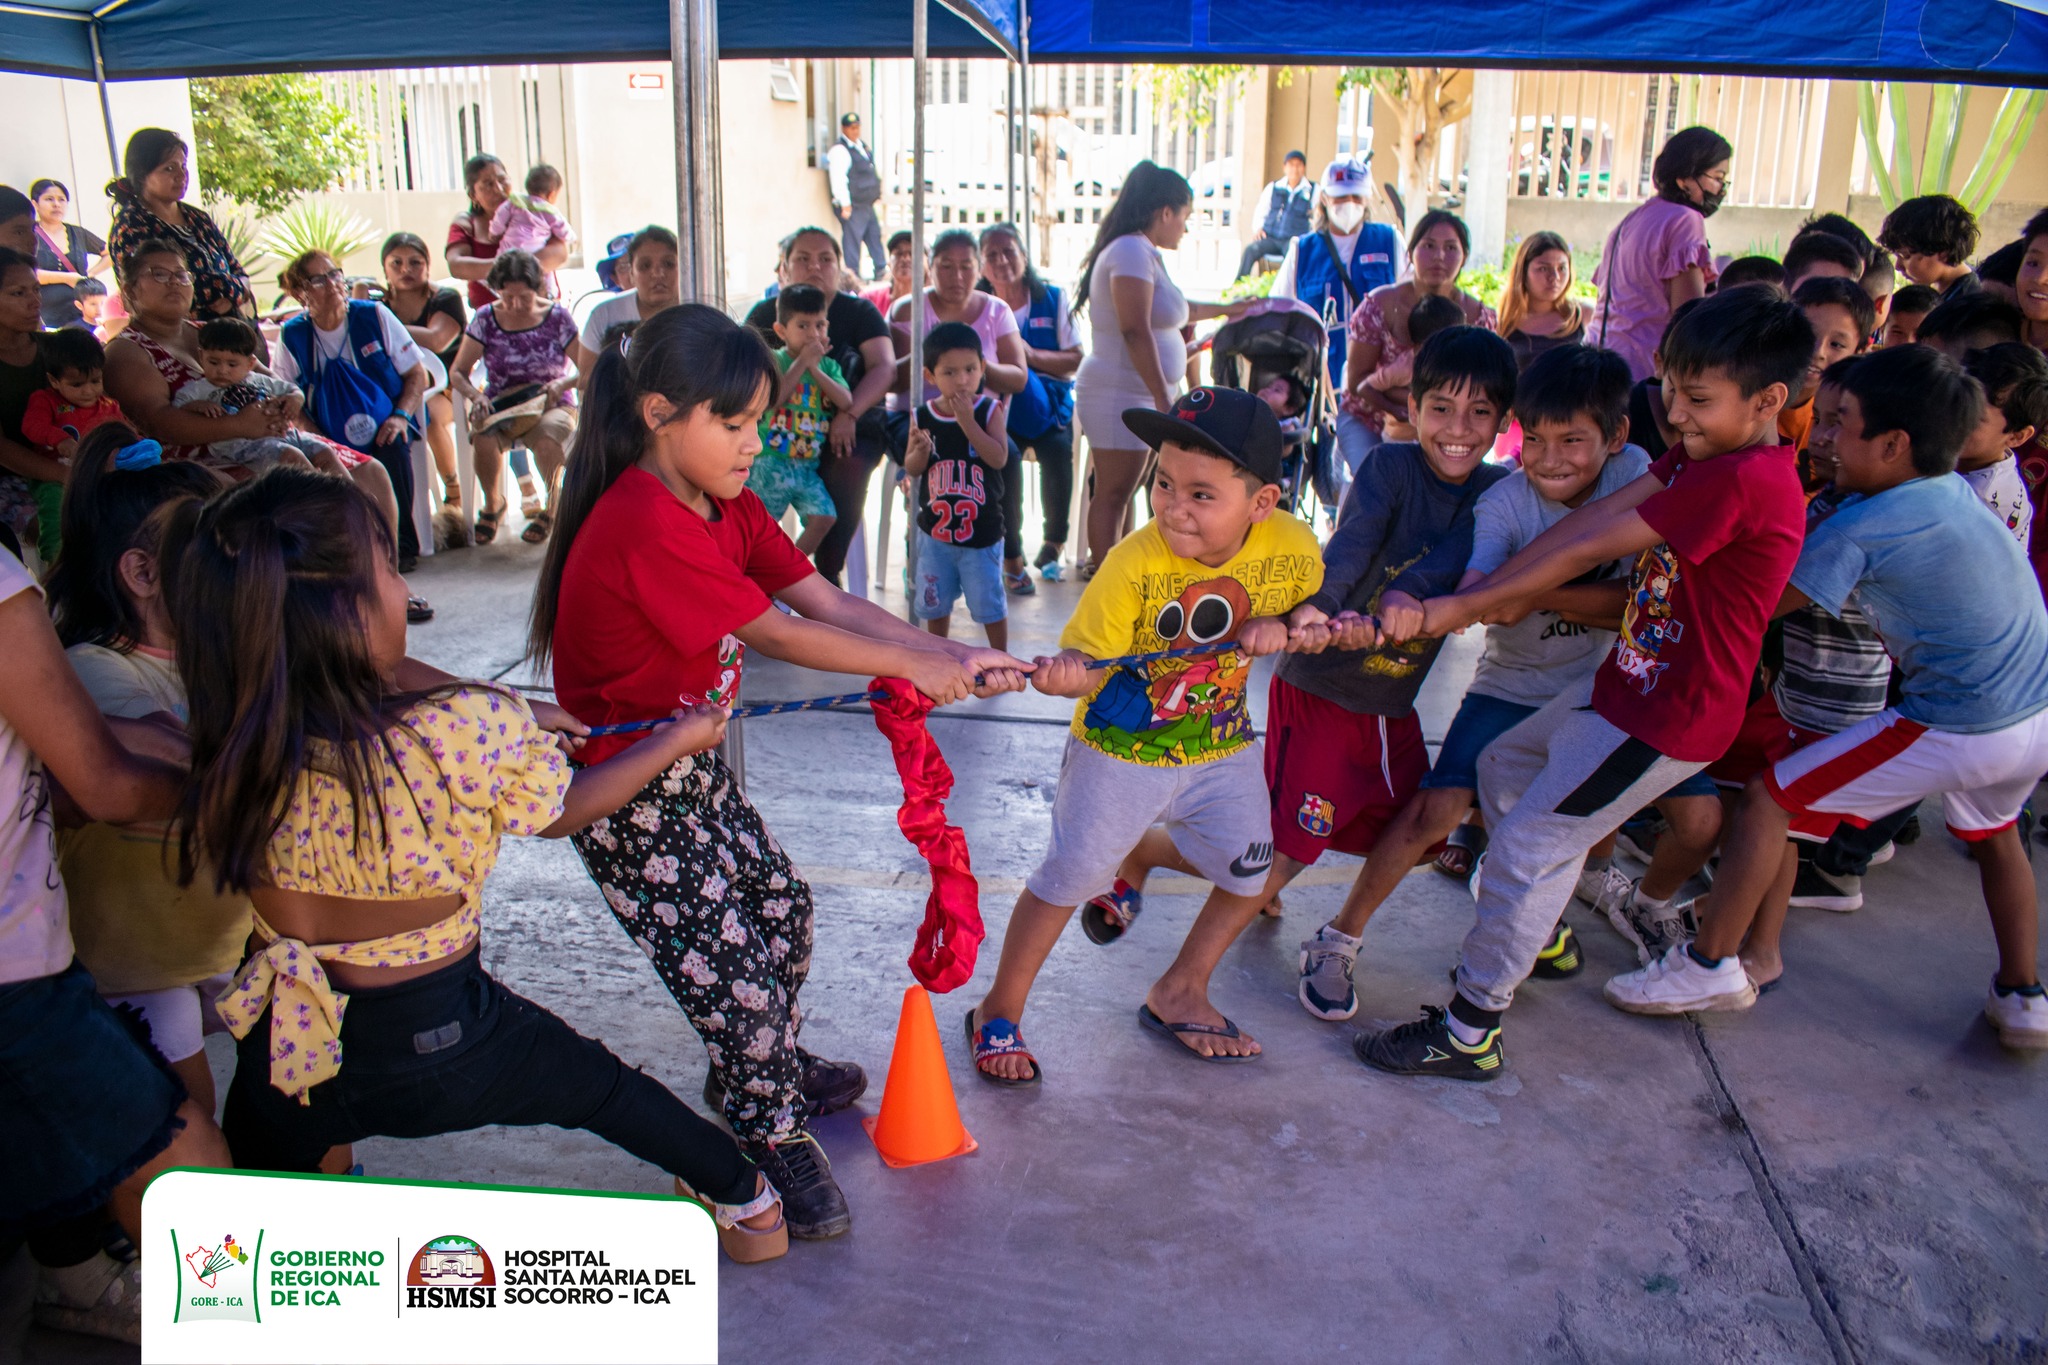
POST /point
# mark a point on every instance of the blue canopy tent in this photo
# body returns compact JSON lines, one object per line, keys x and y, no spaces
{"x":1995,"y":42}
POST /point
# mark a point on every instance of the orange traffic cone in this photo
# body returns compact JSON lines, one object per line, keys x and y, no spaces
{"x":920,"y":1121}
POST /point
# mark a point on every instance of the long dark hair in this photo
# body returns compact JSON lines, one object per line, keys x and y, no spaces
{"x":269,"y":586}
{"x":690,"y":354}
{"x":1033,"y":286}
{"x":1146,"y":190}
{"x":145,"y":152}
{"x":1690,"y":153}
{"x":106,"y":513}
{"x":473,"y":168}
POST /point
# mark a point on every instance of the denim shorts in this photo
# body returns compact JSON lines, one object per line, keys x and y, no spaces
{"x":1480,"y":721}
{"x":946,"y":573}
{"x":87,"y":1105}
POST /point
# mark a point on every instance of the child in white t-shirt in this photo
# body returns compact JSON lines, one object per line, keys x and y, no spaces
{"x":2014,"y":377}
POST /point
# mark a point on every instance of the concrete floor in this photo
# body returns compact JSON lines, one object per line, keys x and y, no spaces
{"x":1851,"y":1171}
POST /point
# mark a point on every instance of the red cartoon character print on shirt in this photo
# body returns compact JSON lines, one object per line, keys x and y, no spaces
{"x":1178,"y":710}
{"x":1646,"y":622}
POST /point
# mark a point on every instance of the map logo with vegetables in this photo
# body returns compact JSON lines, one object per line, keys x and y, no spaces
{"x":216,"y":1278}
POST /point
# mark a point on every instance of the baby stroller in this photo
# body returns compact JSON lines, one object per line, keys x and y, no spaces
{"x":1280,"y":344}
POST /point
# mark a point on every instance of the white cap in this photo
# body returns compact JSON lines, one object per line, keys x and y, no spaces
{"x":1345,"y":176}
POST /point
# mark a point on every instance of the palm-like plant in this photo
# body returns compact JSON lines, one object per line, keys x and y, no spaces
{"x":313,"y":226}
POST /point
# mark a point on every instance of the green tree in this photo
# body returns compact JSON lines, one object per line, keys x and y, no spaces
{"x":265,"y":140}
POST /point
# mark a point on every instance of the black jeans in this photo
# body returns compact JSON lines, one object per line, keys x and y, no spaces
{"x":1055,"y":450}
{"x":1259,"y":246}
{"x":397,"y":461}
{"x":455,"y":1050}
{"x":1848,"y":852}
{"x":846,"y":479}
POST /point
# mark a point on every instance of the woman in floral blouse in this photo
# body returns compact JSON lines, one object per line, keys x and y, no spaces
{"x":148,"y":204}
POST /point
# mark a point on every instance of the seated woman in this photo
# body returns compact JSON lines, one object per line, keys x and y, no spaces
{"x":157,"y":355}
{"x":650,"y":262}
{"x":364,"y":377}
{"x":433,"y":315}
{"x":149,"y":206}
{"x":362,"y":826}
{"x":523,"y":339}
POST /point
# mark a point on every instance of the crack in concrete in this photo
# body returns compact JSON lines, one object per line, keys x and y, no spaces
{"x":1818,"y":1301}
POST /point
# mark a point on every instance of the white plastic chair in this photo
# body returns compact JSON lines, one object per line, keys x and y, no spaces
{"x":423,"y":501}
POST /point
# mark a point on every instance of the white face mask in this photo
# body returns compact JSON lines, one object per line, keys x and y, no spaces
{"x":1345,"y":218}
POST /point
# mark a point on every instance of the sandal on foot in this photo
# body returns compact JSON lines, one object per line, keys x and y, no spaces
{"x":532,"y":507}
{"x":1000,"y":1038}
{"x":537,"y":528}
{"x":1105,"y":918}
{"x":1461,"y":852}
{"x":486,"y":528}
{"x":418,"y":611}
{"x":745,"y":1245}
{"x":1177,"y":1035}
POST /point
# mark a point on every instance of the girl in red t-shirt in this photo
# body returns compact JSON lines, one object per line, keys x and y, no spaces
{"x":659,"y":576}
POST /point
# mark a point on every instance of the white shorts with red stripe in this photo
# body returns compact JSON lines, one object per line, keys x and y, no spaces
{"x":1887,"y":762}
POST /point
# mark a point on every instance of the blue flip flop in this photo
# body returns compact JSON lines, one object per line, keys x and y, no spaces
{"x":1175,"y":1034}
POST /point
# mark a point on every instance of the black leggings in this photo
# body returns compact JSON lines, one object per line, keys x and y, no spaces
{"x":1055,"y":450}
{"x":846,"y":479}
{"x":454,"y":1050}
{"x":397,"y":461}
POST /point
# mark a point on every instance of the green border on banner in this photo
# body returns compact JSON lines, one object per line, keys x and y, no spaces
{"x":179,"y":1256}
{"x":255,"y":1279}
{"x":433,"y":1185}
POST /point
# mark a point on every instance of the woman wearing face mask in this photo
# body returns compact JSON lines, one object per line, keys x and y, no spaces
{"x":1657,"y":257}
{"x":1342,"y":257}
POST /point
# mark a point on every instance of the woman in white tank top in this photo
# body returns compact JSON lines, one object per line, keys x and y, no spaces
{"x":1137,"y":358}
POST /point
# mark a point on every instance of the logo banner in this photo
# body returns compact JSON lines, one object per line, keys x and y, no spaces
{"x":240,"y":1265}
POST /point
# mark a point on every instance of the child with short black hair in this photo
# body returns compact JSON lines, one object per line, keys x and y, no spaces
{"x":1162,"y":762}
{"x":1751,"y":270}
{"x":1880,"y":281}
{"x":2014,"y":377}
{"x":1910,"y":305}
{"x":528,"y":222}
{"x":1716,"y":526}
{"x":1843,"y":319}
{"x":1649,"y":424}
{"x":1969,"y":321}
{"x":1817,"y":254}
{"x":72,"y":401}
{"x":957,"y":451}
{"x":1431,"y":314}
{"x":1971,"y":727}
{"x":794,"y":431}
{"x":1933,"y":237}
{"x":1572,"y":403}
{"x":92,"y":305}
{"x":230,"y":379}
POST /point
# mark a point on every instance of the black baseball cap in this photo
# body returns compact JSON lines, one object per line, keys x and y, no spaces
{"x":847,"y":118}
{"x":1226,"y":422}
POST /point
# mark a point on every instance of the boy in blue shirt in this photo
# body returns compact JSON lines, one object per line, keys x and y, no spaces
{"x":1972,"y":725}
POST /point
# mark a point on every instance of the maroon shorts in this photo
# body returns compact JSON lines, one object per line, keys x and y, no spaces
{"x":1336,"y":777}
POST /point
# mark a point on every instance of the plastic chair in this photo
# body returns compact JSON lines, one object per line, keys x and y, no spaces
{"x":423,"y":457}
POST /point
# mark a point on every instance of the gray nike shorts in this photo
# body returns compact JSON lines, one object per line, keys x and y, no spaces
{"x":1217,"y":813}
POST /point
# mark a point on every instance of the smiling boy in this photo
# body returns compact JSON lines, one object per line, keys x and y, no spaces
{"x":1843,"y":318}
{"x":1971,"y":727}
{"x":1167,"y":743}
{"x":1715,"y":527}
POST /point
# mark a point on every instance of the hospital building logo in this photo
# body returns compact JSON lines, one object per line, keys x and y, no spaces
{"x":451,"y":1272}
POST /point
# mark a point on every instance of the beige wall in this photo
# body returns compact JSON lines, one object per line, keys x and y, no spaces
{"x":54,"y":129}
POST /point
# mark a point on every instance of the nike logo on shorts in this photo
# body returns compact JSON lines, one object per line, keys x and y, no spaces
{"x":1255,"y":859}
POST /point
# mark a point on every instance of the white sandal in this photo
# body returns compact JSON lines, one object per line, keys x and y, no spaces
{"x":745,"y":1245}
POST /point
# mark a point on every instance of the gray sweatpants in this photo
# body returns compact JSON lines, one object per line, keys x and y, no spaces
{"x":1551,"y":788}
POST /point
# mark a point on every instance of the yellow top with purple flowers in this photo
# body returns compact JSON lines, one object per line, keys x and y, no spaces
{"x":455,"y":775}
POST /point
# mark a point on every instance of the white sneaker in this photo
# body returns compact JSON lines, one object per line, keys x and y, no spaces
{"x":1595,"y":883}
{"x":1884,"y":854}
{"x":100,"y":1297}
{"x":2021,"y":1020}
{"x":1677,"y":984}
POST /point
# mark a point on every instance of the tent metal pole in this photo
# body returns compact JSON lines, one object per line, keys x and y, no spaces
{"x":1024,"y":82}
{"x":919,"y":74}
{"x":99,"y":76}
{"x":1010,"y":141}
{"x":693,"y":51}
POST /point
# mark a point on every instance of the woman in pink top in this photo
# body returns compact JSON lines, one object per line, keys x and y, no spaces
{"x":1657,"y":257}
{"x":1378,"y":330}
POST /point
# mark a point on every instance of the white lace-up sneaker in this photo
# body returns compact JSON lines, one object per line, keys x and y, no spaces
{"x":1597,"y":885}
{"x":1677,"y":984}
{"x":2021,"y":1019}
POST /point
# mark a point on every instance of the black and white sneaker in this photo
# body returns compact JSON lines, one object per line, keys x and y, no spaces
{"x":1813,"y":889}
{"x":827,"y":1087}
{"x":1652,"y":929}
{"x":1427,"y":1047}
{"x":812,"y":1203}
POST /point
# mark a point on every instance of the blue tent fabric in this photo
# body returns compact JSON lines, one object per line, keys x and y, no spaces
{"x":158,"y":38}
{"x":1972,"y":41}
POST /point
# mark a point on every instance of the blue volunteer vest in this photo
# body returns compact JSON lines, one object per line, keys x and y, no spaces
{"x":347,"y":407}
{"x":1288,"y":216}
{"x":1045,"y":404}
{"x":1318,"y":284}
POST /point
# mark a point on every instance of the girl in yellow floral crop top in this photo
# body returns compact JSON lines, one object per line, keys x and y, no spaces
{"x":361,"y":819}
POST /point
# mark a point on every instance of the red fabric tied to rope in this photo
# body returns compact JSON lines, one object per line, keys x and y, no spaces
{"x":951,"y":934}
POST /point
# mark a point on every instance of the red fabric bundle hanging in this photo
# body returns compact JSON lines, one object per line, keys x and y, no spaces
{"x":951,"y":934}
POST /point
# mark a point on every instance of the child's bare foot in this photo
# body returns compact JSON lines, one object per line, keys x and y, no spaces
{"x":1173,"y":1006}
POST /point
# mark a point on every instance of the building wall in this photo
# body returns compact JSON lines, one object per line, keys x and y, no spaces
{"x":54,"y":129}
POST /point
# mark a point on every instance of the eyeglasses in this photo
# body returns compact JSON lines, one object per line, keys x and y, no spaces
{"x":170,"y":277}
{"x":1720,"y":179}
{"x":334,"y":279}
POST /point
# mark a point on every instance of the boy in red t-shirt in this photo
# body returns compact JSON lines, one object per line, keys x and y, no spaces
{"x":1715,"y":528}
